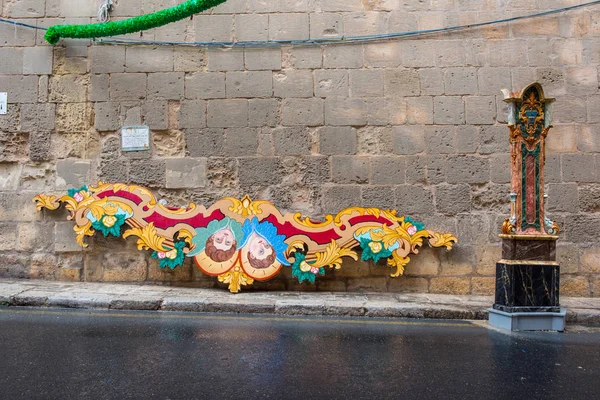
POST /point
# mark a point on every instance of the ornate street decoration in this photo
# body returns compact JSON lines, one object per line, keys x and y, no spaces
{"x":529,"y":122}
{"x":130,"y":25}
{"x":528,"y":275}
{"x":240,"y":241}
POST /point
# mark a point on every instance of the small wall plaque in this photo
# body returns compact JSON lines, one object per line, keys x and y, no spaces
{"x":3,"y":103}
{"x":135,"y":138}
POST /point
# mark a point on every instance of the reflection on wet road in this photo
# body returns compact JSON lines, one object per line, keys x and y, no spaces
{"x":58,"y":354}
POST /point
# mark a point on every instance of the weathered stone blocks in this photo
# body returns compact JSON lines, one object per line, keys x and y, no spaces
{"x":413,"y":199}
{"x":185,"y":173}
{"x":38,"y":117}
{"x":205,"y":85}
{"x":288,"y":26}
{"x":227,"y":113}
{"x":240,"y":142}
{"x":307,"y":112}
{"x":249,"y":84}
{"x":72,"y":173}
{"x":413,"y":124}
{"x":293,"y":84}
{"x":342,"y":111}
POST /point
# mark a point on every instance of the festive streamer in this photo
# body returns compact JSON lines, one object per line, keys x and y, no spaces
{"x":135,"y":24}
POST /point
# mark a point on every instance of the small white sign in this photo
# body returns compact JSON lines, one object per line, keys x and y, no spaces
{"x":135,"y":138}
{"x":3,"y":103}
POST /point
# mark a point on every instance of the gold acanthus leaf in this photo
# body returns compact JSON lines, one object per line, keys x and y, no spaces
{"x":236,"y":279}
{"x":246,"y":206}
{"x":390,"y":236}
{"x":332,"y":256}
{"x":376,"y":212}
{"x":294,"y":246}
{"x":148,"y":238}
{"x":82,"y":231}
{"x":186,"y":236}
{"x":46,"y":201}
{"x":398,"y":262}
{"x":446,"y":240}
{"x":307,"y":222}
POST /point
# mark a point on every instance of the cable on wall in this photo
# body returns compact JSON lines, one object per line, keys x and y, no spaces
{"x":104,"y":11}
{"x":55,"y":32}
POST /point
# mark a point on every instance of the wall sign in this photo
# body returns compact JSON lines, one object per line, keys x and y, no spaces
{"x":3,"y":103}
{"x":135,"y":138}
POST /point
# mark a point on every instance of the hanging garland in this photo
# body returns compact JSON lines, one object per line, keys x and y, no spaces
{"x":135,"y":24}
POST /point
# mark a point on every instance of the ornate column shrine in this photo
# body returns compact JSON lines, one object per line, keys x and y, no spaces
{"x":528,"y":276}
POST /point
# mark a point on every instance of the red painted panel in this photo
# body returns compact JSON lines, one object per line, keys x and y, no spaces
{"x":197,"y":221}
{"x":121,"y":193}
{"x":530,"y":188}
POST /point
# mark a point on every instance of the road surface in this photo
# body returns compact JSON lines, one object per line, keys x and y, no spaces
{"x":86,"y":354}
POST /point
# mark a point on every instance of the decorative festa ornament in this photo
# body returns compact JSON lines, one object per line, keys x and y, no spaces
{"x":529,"y":120}
{"x":239,"y":240}
{"x":130,"y":25}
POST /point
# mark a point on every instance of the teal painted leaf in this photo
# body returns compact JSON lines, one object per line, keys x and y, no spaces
{"x":368,"y":246}
{"x":109,"y":224}
{"x":301,"y":275}
{"x":171,"y":259}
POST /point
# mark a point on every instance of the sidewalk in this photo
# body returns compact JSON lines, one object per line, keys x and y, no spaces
{"x":39,"y":293}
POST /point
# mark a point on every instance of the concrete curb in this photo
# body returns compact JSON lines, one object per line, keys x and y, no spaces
{"x":28,"y":293}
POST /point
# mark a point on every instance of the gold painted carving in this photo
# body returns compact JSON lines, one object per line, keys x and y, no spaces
{"x":241,"y":240}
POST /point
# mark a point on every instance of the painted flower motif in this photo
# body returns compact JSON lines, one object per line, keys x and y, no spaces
{"x":412,"y":230}
{"x":109,"y":220}
{"x":373,"y":250}
{"x":111,"y":208}
{"x":305,"y":267}
{"x":171,"y":255}
{"x":76,"y":193}
{"x":303,"y":270}
{"x":170,"y":259}
{"x":110,"y":224}
{"x":418,"y":225}
{"x":376,"y":247}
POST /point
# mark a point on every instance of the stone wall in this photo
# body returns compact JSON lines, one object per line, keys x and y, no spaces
{"x":415,"y":124}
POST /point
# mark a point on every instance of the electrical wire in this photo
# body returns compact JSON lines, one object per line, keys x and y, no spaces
{"x":317,"y":41}
{"x":16,"y":23}
{"x":104,"y":10}
{"x":343,"y":39}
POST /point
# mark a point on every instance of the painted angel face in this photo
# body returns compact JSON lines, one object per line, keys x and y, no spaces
{"x":221,"y":245}
{"x":260,"y":252}
{"x":260,"y":248}
{"x":223,"y":239}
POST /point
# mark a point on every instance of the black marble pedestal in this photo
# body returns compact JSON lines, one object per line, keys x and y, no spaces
{"x":527,"y":285}
{"x":523,"y":286}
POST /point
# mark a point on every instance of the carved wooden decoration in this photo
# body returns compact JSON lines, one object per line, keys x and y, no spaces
{"x":240,"y":240}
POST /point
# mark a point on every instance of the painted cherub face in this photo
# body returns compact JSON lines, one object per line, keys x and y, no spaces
{"x":223,"y":239}
{"x":221,"y":245}
{"x":260,"y":252}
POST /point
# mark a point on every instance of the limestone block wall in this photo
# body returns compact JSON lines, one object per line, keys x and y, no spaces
{"x":413,"y":124}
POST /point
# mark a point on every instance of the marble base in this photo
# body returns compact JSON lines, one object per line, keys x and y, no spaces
{"x":527,"y":286}
{"x":518,"y":248}
{"x":528,"y":321}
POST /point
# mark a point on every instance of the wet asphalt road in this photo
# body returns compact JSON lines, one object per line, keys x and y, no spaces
{"x":63,"y":354}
